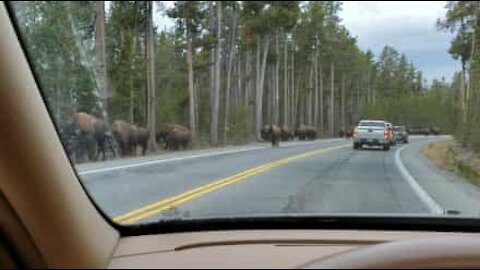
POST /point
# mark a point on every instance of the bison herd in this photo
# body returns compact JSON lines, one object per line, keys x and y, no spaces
{"x":424,"y":131}
{"x":87,"y":137}
{"x":275,"y":133}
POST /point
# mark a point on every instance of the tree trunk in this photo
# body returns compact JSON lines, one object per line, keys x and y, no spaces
{"x":322,"y":126}
{"x":309,"y":94}
{"x":231,"y":56}
{"x":248,"y":82}
{"x":102,"y":82}
{"x":259,"y":92}
{"x":292,"y":93}
{"x":344,"y":78}
{"x":315,"y":102}
{"x":216,"y":103}
{"x":369,"y":83}
{"x":332,"y":98}
{"x":257,"y":82}
{"x":297,"y":109}
{"x":191,"y":93}
{"x":150,"y":72}
{"x":285,"y":84}
{"x":276,"y":106}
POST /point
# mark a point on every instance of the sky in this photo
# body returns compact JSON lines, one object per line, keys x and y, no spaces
{"x":407,"y":26}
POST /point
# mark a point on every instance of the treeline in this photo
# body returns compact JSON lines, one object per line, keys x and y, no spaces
{"x":226,"y":69}
{"x":462,"y":19}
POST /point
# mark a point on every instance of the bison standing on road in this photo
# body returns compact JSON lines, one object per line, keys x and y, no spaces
{"x":265,"y":133}
{"x":89,"y":135}
{"x":142,"y":137}
{"x":275,"y":134}
{"x":175,"y":136}
{"x":304,"y":132}
{"x":126,"y":136}
{"x":286,"y":133}
{"x":349,"y":133}
{"x":301,"y":132}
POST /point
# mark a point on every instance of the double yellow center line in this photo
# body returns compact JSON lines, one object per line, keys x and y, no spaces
{"x":164,"y":205}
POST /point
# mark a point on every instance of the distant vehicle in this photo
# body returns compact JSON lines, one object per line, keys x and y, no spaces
{"x":401,"y":134}
{"x":372,"y":133}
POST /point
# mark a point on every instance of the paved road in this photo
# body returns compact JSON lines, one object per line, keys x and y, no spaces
{"x":320,"y":177}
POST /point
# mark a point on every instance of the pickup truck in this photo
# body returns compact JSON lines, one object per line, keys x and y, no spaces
{"x":372,"y":133}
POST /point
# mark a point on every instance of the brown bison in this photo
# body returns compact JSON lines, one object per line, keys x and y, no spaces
{"x":174,"y":136}
{"x":129,"y":137}
{"x":304,"y":132}
{"x":89,"y":135}
{"x":275,"y":133}
{"x":435,"y":131}
{"x":265,"y":133}
{"x":286,"y":133}
{"x":143,"y":135}
{"x":349,"y":132}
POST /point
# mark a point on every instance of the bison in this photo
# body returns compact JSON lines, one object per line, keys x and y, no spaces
{"x":142,"y":137}
{"x":265,"y":133}
{"x":89,"y":135}
{"x":126,"y":136}
{"x":304,"y":132}
{"x":349,"y":133}
{"x":286,"y":133}
{"x":275,"y":134}
{"x":435,"y":131}
{"x":175,"y":136}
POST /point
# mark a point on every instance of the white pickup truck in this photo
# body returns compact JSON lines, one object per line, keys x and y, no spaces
{"x":372,"y":133}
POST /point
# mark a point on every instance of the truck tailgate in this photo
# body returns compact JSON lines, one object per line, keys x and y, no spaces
{"x":370,"y":132}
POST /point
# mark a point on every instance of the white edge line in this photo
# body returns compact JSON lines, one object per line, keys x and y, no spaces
{"x":421,"y":193}
{"x":159,"y":161}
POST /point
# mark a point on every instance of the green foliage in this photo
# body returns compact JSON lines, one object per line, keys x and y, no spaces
{"x":429,"y":110}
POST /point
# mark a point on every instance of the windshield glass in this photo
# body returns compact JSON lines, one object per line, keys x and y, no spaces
{"x":372,"y":124}
{"x":209,"y":109}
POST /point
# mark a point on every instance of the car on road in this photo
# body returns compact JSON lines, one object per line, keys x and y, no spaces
{"x":401,"y":134}
{"x":372,"y":133}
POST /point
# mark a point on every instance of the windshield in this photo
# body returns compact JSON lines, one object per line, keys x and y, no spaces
{"x":193,"y":110}
{"x":372,"y":124}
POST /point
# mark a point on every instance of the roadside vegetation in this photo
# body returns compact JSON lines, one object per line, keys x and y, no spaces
{"x":449,"y":155}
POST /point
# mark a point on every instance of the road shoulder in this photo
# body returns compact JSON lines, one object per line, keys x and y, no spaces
{"x":450,"y":191}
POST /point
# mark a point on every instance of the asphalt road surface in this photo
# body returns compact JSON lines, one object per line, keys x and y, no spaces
{"x":318,"y":177}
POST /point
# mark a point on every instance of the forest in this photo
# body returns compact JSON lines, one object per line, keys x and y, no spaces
{"x":228,"y":68}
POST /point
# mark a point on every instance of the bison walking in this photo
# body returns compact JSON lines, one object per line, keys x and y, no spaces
{"x":286,"y":133}
{"x":174,"y":136}
{"x":275,"y":135}
{"x":265,"y":133}
{"x":304,"y":132}
{"x":88,"y":136}
{"x":129,"y":137}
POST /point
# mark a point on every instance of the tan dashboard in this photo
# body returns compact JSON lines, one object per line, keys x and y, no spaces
{"x":249,"y":249}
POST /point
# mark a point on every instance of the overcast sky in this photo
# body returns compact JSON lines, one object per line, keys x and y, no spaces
{"x":407,"y":26}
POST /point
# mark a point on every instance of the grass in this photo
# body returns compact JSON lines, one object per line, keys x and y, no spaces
{"x":449,"y":156}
